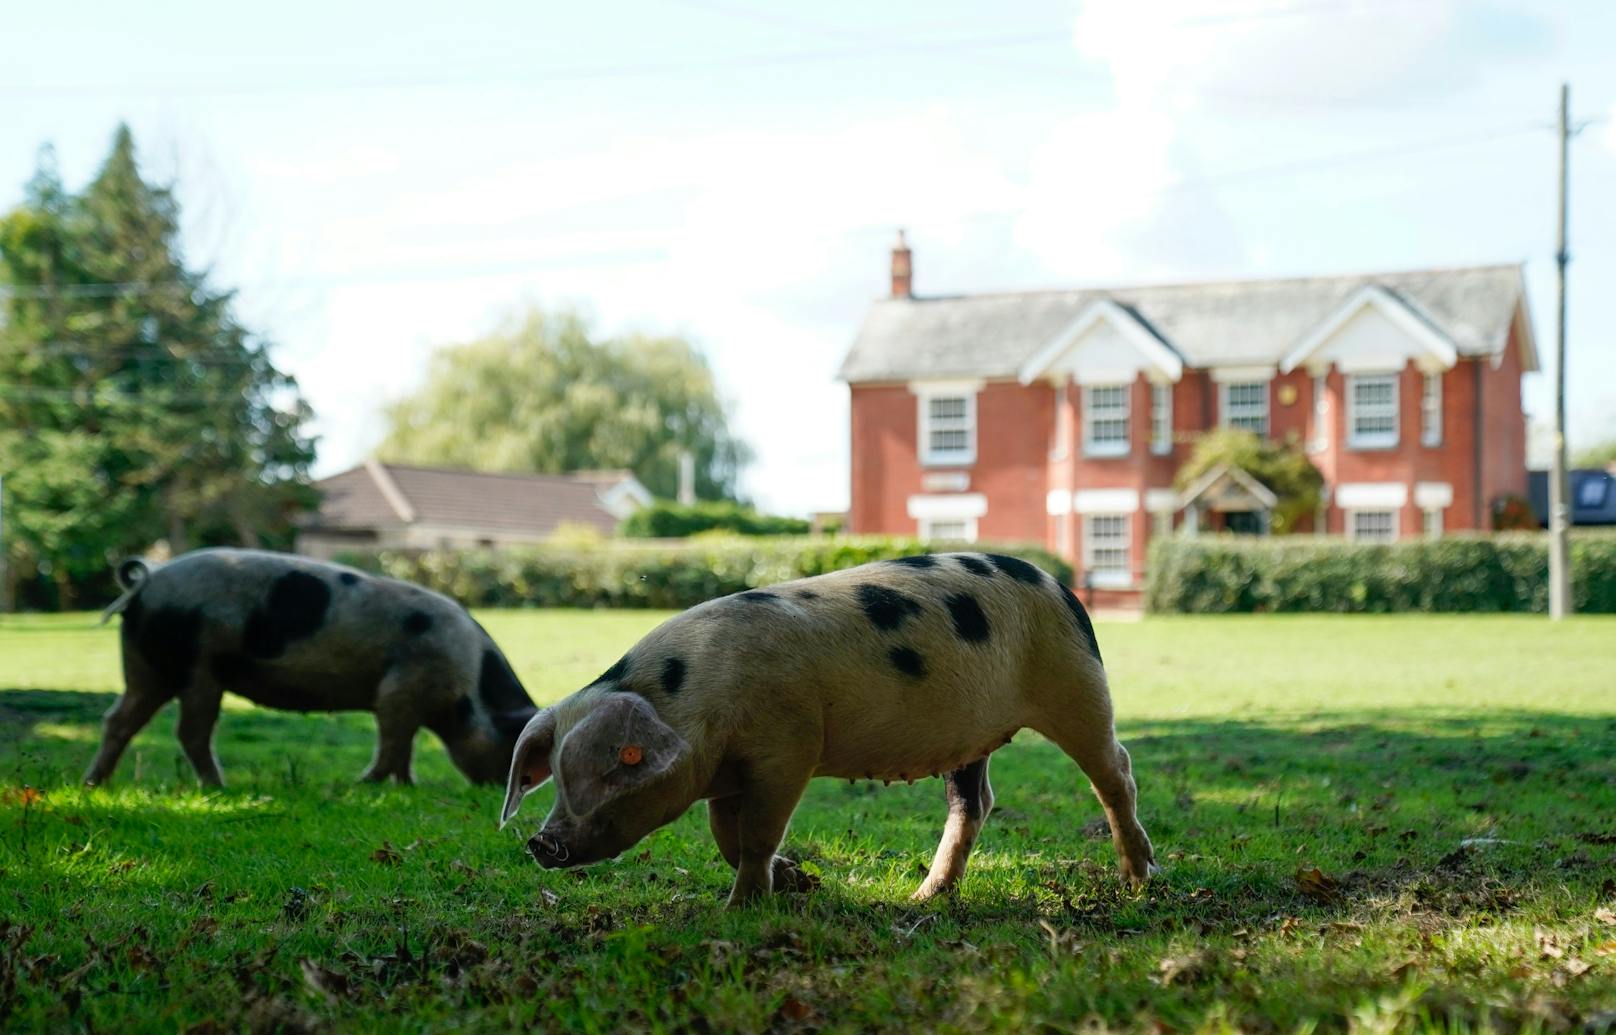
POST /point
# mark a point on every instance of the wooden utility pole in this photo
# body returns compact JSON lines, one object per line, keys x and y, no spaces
{"x":1559,"y":510}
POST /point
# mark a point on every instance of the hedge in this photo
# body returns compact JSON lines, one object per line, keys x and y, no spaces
{"x":1504,"y":572}
{"x":668,"y":520}
{"x":620,"y":573}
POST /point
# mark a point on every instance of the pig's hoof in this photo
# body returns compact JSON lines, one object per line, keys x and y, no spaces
{"x":789,"y":878}
{"x":928,"y":891}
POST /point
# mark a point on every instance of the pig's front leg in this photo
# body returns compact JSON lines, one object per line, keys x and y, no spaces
{"x":763,"y":810}
{"x":724,"y":819}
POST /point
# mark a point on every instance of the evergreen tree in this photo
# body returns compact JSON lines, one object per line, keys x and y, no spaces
{"x":133,"y":406}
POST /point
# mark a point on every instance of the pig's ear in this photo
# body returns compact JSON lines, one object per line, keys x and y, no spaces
{"x":621,"y":746}
{"x":530,"y":762}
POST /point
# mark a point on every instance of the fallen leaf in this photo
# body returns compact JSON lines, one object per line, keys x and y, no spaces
{"x":794,"y":1009}
{"x":462,"y":867}
{"x":327,"y":982}
{"x":1548,"y":945}
{"x":1185,"y":969}
{"x":550,"y":897}
{"x":1318,"y":885}
{"x":1605,"y":916}
{"x":1576,"y":968}
{"x":1605,"y":949}
{"x":387,"y":855}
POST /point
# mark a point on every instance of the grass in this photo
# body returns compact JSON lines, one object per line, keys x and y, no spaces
{"x":1451,"y":779}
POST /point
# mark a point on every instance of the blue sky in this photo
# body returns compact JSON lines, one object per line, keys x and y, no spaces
{"x":732,"y":171}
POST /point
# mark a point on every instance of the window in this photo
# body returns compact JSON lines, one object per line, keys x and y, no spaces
{"x":1372,"y":422}
{"x":958,"y":530}
{"x":1105,"y":420}
{"x":948,"y":428}
{"x":1105,"y":549}
{"x":1244,"y":404}
{"x":1161,"y":418}
{"x":1431,"y":411}
{"x":1373,"y":526}
{"x":1321,"y":416}
{"x":1592,"y":491}
{"x":1431,"y":519}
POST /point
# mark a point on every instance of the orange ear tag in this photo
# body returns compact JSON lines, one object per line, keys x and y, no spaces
{"x":630,"y":755}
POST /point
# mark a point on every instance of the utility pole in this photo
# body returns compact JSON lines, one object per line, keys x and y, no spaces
{"x":1559,"y":512}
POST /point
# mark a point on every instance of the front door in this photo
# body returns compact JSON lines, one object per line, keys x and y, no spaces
{"x":1243,"y":522}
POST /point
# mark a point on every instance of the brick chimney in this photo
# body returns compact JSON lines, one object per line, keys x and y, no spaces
{"x":902,"y":269}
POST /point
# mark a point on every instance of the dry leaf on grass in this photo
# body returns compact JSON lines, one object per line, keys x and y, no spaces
{"x":1605,"y":916}
{"x":387,"y":855}
{"x":1185,"y":969}
{"x":794,"y":1009}
{"x":1318,"y":885}
{"x":327,"y":982}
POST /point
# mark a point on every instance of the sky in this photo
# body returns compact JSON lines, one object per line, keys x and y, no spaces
{"x":381,"y":185}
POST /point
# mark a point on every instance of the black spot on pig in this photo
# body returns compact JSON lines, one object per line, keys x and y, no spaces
{"x":168,"y":641}
{"x":615,"y":673}
{"x":1017,"y":569}
{"x":969,"y":621}
{"x":416,"y":623}
{"x":295,"y":609}
{"x":755,"y":596}
{"x":1082,"y":616}
{"x":807,"y":594}
{"x":348,"y":578}
{"x":673,"y":675}
{"x":886,"y":608}
{"x":976,"y":566}
{"x":908,"y":661}
{"x":497,"y":686}
{"x":919,"y":560}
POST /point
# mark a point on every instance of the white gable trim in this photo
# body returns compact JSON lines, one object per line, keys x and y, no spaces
{"x":1160,"y":359}
{"x":1242,"y":375}
{"x":1435,"y":344}
{"x":625,"y":498}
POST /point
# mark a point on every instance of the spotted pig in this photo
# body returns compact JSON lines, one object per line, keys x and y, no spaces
{"x":290,"y":632}
{"x":890,"y":671}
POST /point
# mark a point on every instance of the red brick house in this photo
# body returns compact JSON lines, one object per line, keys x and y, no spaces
{"x":1061,"y":417}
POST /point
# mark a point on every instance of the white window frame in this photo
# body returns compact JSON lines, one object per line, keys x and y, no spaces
{"x":927,"y":424}
{"x":1431,"y":410}
{"x":927,"y":529}
{"x":1321,"y":414}
{"x":1110,"y":577}
{"x":1358,"y":537}
{"x":1161,"y":417}
{"x":1249,"y":412}
{"x":1093,"y":414}
{"x":1376,"y":439}
{"x":1431,"y":522}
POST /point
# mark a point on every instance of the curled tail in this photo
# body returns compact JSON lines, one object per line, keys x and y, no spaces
{"x":131,"y":575}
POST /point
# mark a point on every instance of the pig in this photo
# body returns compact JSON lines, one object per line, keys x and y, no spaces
{"x":888,"y":671}
{"x":290,"y":632}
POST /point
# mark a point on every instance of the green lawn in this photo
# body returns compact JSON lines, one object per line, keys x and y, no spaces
{"x":1453,"y":780}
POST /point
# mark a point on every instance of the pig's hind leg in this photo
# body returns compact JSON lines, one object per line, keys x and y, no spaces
{"x":970,"y":799}
{"x":1081,"y":723}
{"x":144,"y":695}
{"x":199,"y":714}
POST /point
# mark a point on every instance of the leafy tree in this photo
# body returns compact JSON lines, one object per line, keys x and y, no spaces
{"x":544,"y":395}
{"x":133,"y":405}
{"x":1600,"y":454}
{"x":1284,"y":469}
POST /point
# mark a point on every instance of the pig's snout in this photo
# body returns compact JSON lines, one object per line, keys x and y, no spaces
{"x":547,"y":850}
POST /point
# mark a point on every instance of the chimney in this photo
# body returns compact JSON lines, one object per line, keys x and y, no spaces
{"x":902,"y":269}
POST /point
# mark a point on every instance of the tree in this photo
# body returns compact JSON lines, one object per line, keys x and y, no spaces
{"x":1600,"y":454}
{"x":133,"y":405}
{"x":543,"y":395}
{"x":1284,"y":469}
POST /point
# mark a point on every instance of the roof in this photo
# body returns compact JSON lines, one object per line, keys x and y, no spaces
{"x":1229,"y":323}
{"x":379,"y":495}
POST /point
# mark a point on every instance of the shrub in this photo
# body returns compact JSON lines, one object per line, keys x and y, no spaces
{"x":1456,"y":573}
{"x":667,"y":520}
{"x":631,"y":574}
{"x":1283,"y":468}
